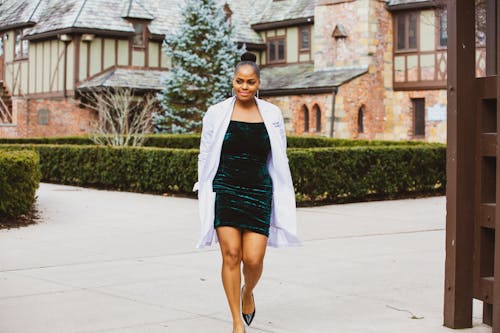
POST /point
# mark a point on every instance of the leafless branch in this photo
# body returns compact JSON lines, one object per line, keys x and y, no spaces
{"x":123,"y":118}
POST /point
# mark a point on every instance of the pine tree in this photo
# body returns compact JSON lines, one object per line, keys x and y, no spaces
{"x":203,"y":54}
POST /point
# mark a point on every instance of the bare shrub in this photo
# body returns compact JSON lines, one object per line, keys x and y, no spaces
{"x":123,"y":118}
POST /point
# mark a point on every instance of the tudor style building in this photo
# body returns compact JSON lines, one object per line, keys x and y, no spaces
{"x":343,"y":68}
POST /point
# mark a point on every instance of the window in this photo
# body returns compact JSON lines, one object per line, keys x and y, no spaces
{"x":443,"y":28}
{"x":361,"y":120}
{"x":276,"y":50}
{"x":317,"y":112}
{"x":305,"y":113}
{"x":21,"y":45}
{"x":139,"y":36}
{"x":43,"y":117}
{"x":305,"y":38}
{"x":406,"y":31}
{"x":418,"y":116}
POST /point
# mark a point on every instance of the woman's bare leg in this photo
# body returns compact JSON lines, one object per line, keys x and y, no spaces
{"x":254,"y":249}
{"x":230,"y":245}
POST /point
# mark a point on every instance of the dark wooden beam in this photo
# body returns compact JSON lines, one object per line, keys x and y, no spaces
{"x":460,"y":166}
{"x":495,"y":315}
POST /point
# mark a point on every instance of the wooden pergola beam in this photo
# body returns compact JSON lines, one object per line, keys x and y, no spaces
{"x":460,"y":166}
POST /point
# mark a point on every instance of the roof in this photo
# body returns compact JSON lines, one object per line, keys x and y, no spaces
{"x":135,"y":9}
{"x":409,"y":4}
{"x":127,"y":78}
{"x":242,"y":18}
{"x":51,"y":16}
{"x":286,"y":10}
{"x":17,"y":13}
{"x":106,"y":15}
{"x":279,"y":79}
{"x":401,"y":2}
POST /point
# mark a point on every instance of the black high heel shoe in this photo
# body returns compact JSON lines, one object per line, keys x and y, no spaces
{"x":247,"y":317}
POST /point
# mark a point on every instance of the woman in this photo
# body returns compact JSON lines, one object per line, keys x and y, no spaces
{"x":245,"y":189}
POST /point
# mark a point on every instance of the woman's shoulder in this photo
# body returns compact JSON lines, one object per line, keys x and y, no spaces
{"x":215,"y":110}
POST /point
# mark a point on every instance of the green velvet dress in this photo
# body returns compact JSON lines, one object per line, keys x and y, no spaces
{"x":242,"y":184}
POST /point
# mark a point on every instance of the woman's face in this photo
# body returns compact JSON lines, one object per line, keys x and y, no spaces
{"x":245,"y":83}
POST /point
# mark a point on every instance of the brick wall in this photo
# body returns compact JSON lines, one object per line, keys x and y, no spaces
{"x":65,"y":117}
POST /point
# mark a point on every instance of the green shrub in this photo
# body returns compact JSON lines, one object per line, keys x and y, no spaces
{"x":62,"y":140}
{"x":331,"y":174}
{"x":294,"y":141}
{"x":19,"y":179}
{"x":354,"y":173}
{"x":137,"y":169}
{"x":188,"y":141}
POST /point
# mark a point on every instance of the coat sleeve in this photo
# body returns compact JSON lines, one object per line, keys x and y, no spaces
{"x":207,"y":133}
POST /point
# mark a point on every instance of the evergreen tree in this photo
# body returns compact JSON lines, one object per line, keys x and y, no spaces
{"x":203,"y":54}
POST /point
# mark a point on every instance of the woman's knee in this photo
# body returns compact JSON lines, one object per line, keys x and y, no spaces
{"x":232,"y":257}
{"x":253,"y":261}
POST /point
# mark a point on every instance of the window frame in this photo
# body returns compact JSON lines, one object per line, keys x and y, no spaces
{"x":23,"y":45}
{"x":414,"y":116}
{"x":361,"y":120}
{"x":439,"y":13}
{"x":308,"y":27}
{"x":275,"y":41}
{"x":144,"y":35}
{"x":406,"y":16}
{"x":318,"y":118}
{"x":305,"y":111}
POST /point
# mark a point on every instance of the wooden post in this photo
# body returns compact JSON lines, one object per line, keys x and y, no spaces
{"x":460,"y":166}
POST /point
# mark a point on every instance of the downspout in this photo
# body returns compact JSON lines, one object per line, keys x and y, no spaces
{"x":332,"y":120}
{"x":66,"y":39}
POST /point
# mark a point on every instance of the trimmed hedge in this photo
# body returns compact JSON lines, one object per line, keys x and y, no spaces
{"x":19,"y":179}
{"x":192,"y":141}
{"x":141,"y":169}
{"x":325,"y":175}
{"x":354,"y":173}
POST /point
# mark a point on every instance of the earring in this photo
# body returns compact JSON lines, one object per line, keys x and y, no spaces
{"x":232,"y":92}
{"x":258,"y":93}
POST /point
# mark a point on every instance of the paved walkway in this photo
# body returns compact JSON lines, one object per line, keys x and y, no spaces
{"x":105,"y":261}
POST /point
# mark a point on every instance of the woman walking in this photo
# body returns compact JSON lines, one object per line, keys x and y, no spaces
{"x":245,"y":189}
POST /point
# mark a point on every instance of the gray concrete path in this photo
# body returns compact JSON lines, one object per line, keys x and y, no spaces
{"x":104,"y":261}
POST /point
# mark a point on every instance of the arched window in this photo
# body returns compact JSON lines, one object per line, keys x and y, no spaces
{"x":361,"y":120}
{"x":317,"y":113}
{"x":305,"y":113}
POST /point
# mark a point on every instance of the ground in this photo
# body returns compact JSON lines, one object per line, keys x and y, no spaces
{"x":103,"y":261}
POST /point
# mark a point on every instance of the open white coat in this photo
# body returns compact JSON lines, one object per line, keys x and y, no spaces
{"x":283,"y":228}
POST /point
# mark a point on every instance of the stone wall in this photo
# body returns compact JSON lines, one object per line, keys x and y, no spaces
{"x":400,"y":123}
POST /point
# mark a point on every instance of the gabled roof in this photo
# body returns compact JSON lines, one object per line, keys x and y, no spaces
{"x":18,"y":13}
{"x":244,"y":12}
{"x":105,"y":15}
{"x":134,"y":9}
{"x":54,"y":16}
{"x":281,"y":12}
{"x":117,"y":77}
{"x":302,"y":78}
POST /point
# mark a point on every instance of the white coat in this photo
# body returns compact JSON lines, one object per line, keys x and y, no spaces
{"x":283,"y":228}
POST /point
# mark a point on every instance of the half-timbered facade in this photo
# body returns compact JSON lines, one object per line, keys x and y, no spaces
{"x":343,"y":68}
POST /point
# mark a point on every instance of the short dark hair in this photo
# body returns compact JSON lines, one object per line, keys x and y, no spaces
{"x":249,"y":59}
